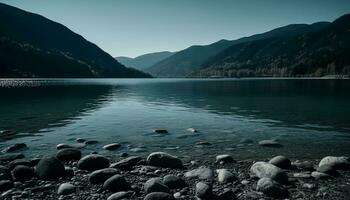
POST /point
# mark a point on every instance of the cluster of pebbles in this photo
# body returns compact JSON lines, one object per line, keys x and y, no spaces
{"x":161,"y":176}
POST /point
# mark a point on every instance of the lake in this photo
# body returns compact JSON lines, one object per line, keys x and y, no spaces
{"x":310,"y":118}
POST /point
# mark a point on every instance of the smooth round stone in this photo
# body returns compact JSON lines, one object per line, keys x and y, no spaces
{"x":267,"y":170}
{"x":93,"y":162}
{"x":68,"y":154}
{"x":160,"y":131}
{"x":5,"y":185}
{"x":203,"y":190}
{"x":5,"y":173}
{"x":155,"y":185}
{"x":269,"y":143}
{"x":50,"y":168}
{"x":100,"y":176}
{"x":121,"y":195}
{"x":63,"y":146}
{"x":22,"y":161}
{"x":338,"y":163}
{"x":201,"y":173}
{"x":320,"y":175}
{"x":225,"y":176}
{"x":281,"y":162}
{"x":271,"y":188}
{"x":159,"y":196}
{"x":112,"y":146}
{"x":161,"y":159}
{"x":116,"y":183}
{"x":174,"y":182}
{"x":14,"y":147}
{"x":66,"y":188}
{"x":127,"y":163}
{"x":91,"y":142}
{"x":22,"y":173}
{"x":224,"y":159}
{"x":80,"y":140}
{"x":328,"y":169}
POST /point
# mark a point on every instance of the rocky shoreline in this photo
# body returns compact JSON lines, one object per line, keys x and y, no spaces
{"x":160,"y":176}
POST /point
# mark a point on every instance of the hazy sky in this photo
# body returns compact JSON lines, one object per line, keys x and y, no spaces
{"x":135,"y":27}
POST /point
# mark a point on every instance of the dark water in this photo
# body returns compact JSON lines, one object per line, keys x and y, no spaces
{"x":310,"y":118}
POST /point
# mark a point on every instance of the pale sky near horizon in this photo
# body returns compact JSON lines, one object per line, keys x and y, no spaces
{"x":135,"y":27}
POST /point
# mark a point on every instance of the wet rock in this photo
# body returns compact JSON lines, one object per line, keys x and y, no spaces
{"x":121,"y":195}
{"x":100,"y":176}
{"x":112,"y":146}
{"x":320,"y":175}
{"x":5,"y":185}
{"x":49,"y":168}
{"x":267,"y":170}
{"x":124,"y":154}
{"x":68,"y":172}
{"x":227,"y":194}
{"x":155,"y":185}
{"x":161,"y":159}
{"x":328,"y":169}
{"x":93,"y":162}
{"x":302,"y":175}
{"x":116,"y":183}
{"x":281,"y":162}
{"x":203,"y":190}
{"x":192,"y":130}
{"x":80,"y":140}
{"x":10,"y":157}
{"x":14,"y":147}
{"x":174,"y":182}
{"x":68,"y":154}
{"x":5,"y":173}
{"x":127,"y":163}
{"x":159,"y":196}
{"x":160,"y":131}
{"x":202,"y":173}
{"x":22,"y":161}
{"x":91,"y":142}
{"x":63,"y":146}
{"x":22,"y":173}
{"x":269,"y":143}
{"x":271,"y":188}
{"x":338,"y":163}
{"x":225,"y":176}
{"x":224,"y":159}
{"x":66,"y":188}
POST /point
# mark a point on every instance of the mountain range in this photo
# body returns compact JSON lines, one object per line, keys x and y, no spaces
{"x":34,"y":46}
{"x":144,"y":61}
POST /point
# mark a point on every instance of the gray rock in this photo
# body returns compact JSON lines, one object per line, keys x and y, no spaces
{"x":269,"y":143}
{"x":22,"y":173}
{"x":160,"y":131}
{"x":127,"y":163}
{"x":302,"y":175}
{"x":121,"y":195}
{"x":304,"y":165}
{"x":112,"y":146}
{"x":338,"y":163}
{"x":80,"y":140}
{"x":159,"y":196}
{"x":93,"y":162}
{"x":100,"y":176}
{"x":225,"y":176}
{"x":320,"y":175}
{"x":224,"y":159}
{"x":328,"y":169}
{"x":174,"y":182}
{"x":116,"y":183}
{"x":14,"y":147}
{"x":155,"y":185}
{"x":203,"y":190}
{"x":66,"y":188}
{"x":49,"y":168}
{"x":281,"y":162}
{"x":271,"y":188}
{"x":267,"y":170}
{"x":202,"y":173}
{"x":10,"y":157}
{"x":5,"y":185}
{"x":91,"y":142}
{"x":68,"y":154}
{"x":5,"y":173}
{"x":63,"y":146}
{"x":161,"y":159}
{"x":21,"y":161}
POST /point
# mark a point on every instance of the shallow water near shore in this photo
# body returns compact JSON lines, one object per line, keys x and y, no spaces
{"x":310,"y":118}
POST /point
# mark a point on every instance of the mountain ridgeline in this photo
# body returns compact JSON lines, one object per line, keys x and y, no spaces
{"x":144,"y":61}
{"x":34,"y":46}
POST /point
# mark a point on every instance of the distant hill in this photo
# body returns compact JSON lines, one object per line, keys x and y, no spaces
{"x":324,"y":52}
{"x":144,"y":61}
{"x":182,"y":63}
{"x":34,"y":46}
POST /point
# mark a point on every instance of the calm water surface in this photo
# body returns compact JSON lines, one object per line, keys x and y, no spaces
{"x":310,"y":118}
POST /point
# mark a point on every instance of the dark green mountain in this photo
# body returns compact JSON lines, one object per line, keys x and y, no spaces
{"x":34,"y":46}
{"x":325,"y":52}
{"x":144,"y":61}
{"x":182,"y":63}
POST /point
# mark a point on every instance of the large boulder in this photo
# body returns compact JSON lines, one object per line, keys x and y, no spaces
{"x":22,"y":173}
{"x":116,"y":183}
{"x":338,"y":163}
{"x":281,"y":162}
{"x":49,"y":168}
{"x":267,"y":170}
{"x":225,"y":176}
{"x":161,"y":159}
{"x":155,"y":185}
{"x":93,"y":162}
{"x":68,"y":154}
{"x":127,"y":163}
{"x":202,"y":173}
{"x":100,"y":176}
{"x":174,"y":182}
{"x":159,"y":196}
{"x":203,"y":190}
{"x":66,"y":188}
{"x":271,"y":188}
